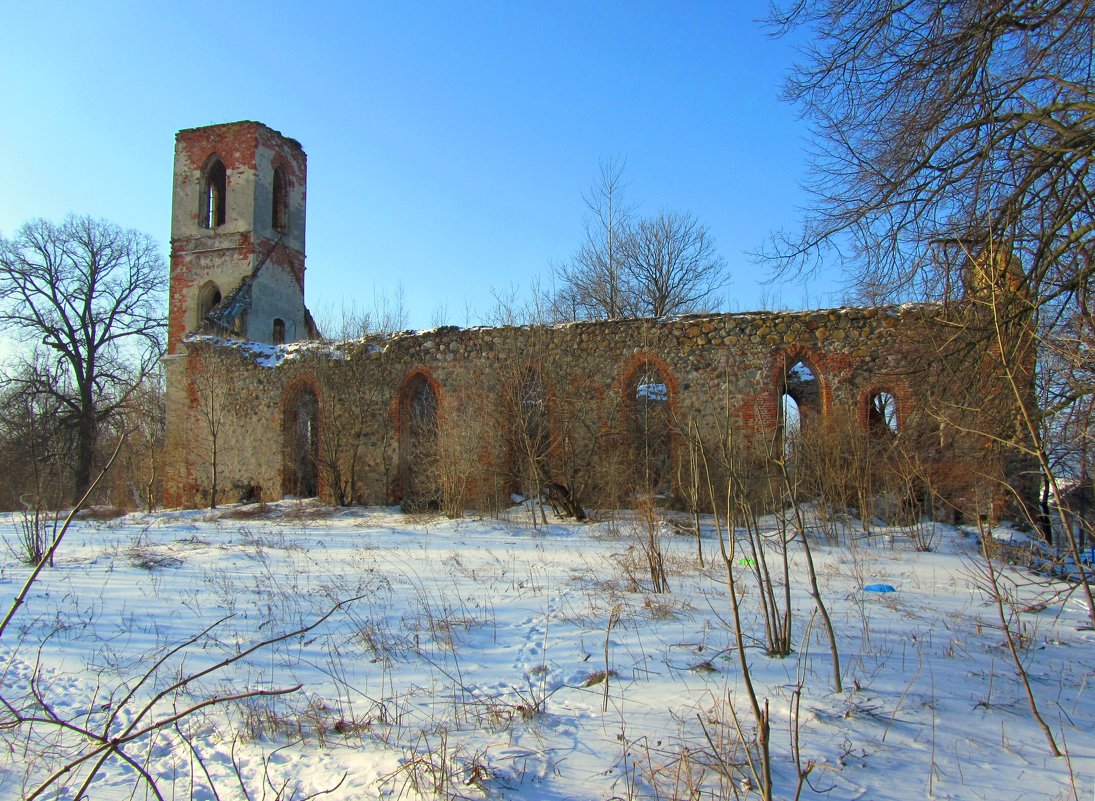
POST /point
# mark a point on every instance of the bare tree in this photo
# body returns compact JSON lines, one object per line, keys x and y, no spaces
{"x":627,"y":267}
{"x":955,"y":161}
{"x":961,"y":121}
{"x":135,"y":481}
{"x":213,"y":393}
{"x":35,"y":449}
{"x":671,"y":266}
{"x":592,"y":282}
{"x":92,"y":293}
{"x":36,"y":462}
{"x":349,"y":320}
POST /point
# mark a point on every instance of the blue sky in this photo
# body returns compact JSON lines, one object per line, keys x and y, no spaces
{"x":449,"y":144}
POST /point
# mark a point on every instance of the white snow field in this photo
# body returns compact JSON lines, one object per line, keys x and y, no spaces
{"x":472,"y":664}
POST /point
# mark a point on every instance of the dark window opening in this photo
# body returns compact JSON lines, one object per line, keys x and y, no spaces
{"x":214,"y":195}
{"x":418,"y":458}
{"x":300,"y":438}
{"x":280,"y":214}
{"x":278,"y":335}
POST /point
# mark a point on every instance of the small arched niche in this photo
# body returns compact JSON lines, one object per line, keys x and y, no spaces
{"x":208,"y":297}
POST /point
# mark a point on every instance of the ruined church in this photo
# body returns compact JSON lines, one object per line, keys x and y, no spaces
{"x":594,"y":413}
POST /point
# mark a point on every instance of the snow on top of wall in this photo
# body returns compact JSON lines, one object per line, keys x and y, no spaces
{"x":272,"y":355}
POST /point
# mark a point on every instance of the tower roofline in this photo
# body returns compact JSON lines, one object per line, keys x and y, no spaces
{"x":207,"y":129}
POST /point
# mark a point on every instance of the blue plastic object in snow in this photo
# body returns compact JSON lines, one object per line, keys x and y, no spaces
{"x":879,"y":588}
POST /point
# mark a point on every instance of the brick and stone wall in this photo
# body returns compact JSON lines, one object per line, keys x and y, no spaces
{"x":718,"y":371}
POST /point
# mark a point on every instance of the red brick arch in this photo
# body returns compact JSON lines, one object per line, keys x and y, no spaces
{"x":625,"y":385}
{"x":784,"y":360}
{"x":405,"y":477}
{"x":403,"y":394}
{"x":631,"y":368}
{"x":898,"y":390}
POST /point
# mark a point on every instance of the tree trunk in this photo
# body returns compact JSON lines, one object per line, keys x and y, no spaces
{"x":85,"y":452}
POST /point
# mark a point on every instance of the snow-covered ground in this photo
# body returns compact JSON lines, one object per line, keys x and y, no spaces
{"x":472,"y":664}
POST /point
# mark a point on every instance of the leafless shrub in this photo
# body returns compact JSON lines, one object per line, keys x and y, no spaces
{"x":751,"y":488}
{"x":659,"y":607}
{"x":596,"y":677}
{"x":649,"y":533}
{"x":789,"y":478}
{"x":101,"y":513}
{"x":306,"y":510}
{"x":148,"y":558}
{"x":246,"y":511}
{"x":265,"y":718}
{"x":458,"y":468}
{"x":37,"y":530}
{"x":1001,"y":592}
{"x":924,"y":535}
{"x":434,"y":767}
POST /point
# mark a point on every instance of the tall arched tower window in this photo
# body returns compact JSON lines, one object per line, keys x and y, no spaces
{"x":280,"y":212}
{"x":214,"y":196}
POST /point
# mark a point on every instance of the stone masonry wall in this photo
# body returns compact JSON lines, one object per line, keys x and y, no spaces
{"x":716,"y":368}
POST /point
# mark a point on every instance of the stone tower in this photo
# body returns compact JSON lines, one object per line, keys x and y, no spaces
{"x":237,"y":235}
{"x":237,"y":267}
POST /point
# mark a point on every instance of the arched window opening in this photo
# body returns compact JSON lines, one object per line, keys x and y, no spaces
{"x":799,"y":404}
{"x":528,"y":434}
{"x":650,"y":430}
{"x":280,"y":212}
{"x":882,"y":413}
{"x":300,"y":438}
{"x":208,"y":298}
{"x":790,"y":422}
{"x":418,"y":465}
{"x":278,"y":334}
{"x":214,"y":194}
